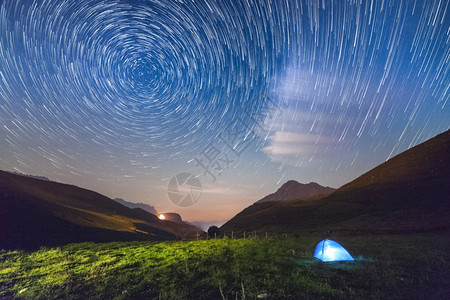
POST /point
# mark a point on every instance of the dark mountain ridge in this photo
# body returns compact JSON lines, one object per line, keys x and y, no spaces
{"x":36,"y":213}
{"x":408,"y":193}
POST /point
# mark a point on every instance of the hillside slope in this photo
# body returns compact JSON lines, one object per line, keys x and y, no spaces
{"x":408,"y":193}
{"x":36,"y":213}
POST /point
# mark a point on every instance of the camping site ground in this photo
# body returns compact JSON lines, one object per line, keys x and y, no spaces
{"x":385,"y":267}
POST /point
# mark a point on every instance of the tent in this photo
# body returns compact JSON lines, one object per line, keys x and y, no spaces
{"x":329,"y":251}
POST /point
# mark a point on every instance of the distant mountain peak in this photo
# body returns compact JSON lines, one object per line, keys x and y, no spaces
{"x":292,"y":181}
{"x":148,"y":208}
{"x":293,"y":189}
{"x":174,"y":217}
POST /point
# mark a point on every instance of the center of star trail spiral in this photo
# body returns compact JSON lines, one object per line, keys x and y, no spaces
{"x":135,"y":69}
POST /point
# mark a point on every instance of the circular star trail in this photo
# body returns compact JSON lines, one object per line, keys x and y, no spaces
{"x":110,"y":90}
{"x":126,"y":72}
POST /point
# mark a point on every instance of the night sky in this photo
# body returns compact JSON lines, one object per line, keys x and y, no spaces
{"x":120,"y":96}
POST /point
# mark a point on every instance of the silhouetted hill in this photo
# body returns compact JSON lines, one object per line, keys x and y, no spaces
{"x":408,"y":193}
{"x":32,"y":176}
{"x":174,"y":217}
{"x":295,"y":190}
{"x":36,"y":213}
{"x":146,"y":207}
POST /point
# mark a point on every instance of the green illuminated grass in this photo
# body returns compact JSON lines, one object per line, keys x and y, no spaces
{"x":386,"y":267}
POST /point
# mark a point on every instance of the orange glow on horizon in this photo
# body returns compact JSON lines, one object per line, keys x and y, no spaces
{"x":161,"y":217}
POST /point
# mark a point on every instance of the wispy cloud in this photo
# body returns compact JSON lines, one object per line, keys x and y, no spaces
{"x":286,"y":146}
{"x":304,"y":128}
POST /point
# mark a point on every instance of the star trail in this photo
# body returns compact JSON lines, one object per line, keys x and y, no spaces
{"x":120,"y":96}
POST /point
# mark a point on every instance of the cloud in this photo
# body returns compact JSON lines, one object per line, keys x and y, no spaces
{"x":309,"y":118}
{"x":218,"y":190}
{"x":288,"y":146}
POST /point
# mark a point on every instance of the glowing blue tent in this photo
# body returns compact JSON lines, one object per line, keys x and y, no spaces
{"x":329,"y":251}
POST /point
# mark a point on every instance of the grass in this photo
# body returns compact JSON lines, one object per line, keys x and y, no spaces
{"x":407,"y":266}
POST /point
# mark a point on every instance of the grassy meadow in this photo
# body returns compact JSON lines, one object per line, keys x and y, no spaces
{"x":386,"y":267}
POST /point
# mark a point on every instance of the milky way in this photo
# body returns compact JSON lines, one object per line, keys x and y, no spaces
{"x":119,"y":96}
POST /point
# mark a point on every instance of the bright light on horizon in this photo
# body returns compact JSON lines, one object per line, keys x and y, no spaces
{"x":161,"y":217}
